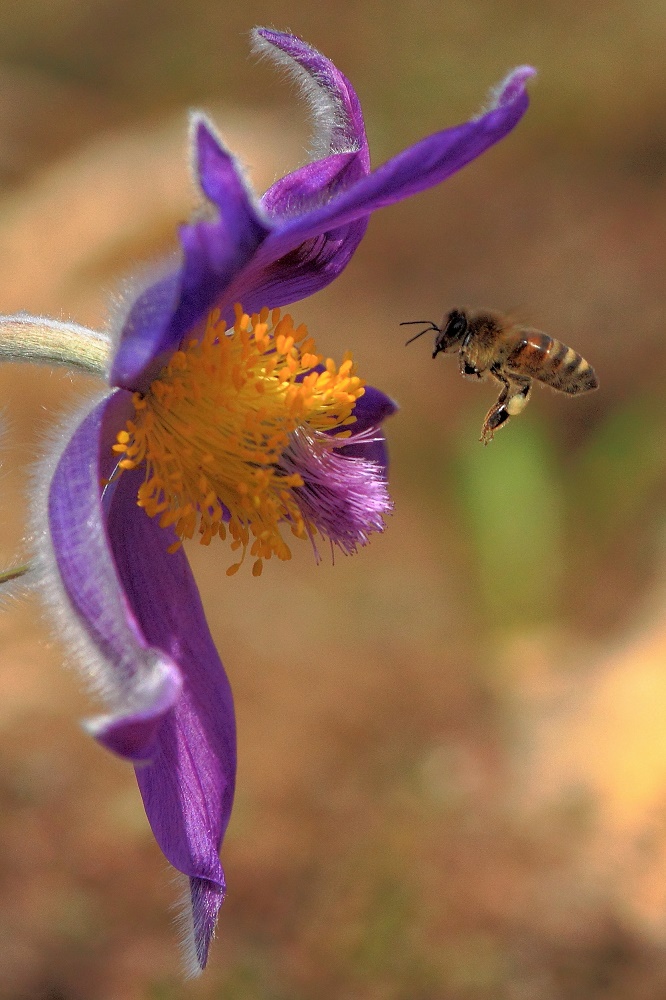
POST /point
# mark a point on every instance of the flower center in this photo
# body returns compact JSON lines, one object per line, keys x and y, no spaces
{"x":213,"y":428}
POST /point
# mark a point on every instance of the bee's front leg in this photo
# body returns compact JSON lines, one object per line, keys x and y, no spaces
{"x":467,"y":369}
{"x":512,"y":400}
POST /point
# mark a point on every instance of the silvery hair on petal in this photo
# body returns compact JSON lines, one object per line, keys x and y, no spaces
{"x":328,"y":115}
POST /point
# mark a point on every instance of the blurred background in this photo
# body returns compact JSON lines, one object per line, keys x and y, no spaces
{"x":452,"y":777}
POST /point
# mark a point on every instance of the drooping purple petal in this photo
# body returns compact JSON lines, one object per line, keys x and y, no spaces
{"x":205,"y":900}
{"x":171,"y":705}
{"x":132,"y":731}
{"x":188,"y":786}
{"x":140,"y":683}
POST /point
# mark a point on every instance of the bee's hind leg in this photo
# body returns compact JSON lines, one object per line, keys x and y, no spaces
{"x":512,"y":400}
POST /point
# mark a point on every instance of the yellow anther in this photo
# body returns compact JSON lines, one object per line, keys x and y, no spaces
{"x":212,"y":430}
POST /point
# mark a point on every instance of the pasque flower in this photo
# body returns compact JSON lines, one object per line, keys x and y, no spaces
{"x":222,"y":422}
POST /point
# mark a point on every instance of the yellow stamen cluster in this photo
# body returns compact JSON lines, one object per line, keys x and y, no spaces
{"x":213,"y":426}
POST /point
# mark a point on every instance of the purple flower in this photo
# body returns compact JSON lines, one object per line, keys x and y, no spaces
{"x":223,"y":422}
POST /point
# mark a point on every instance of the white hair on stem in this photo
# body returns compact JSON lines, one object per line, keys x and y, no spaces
{"x":51,"y":341}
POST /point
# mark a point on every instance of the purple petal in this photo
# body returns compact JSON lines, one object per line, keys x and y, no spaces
{"x":188,"y":787}
{"x":370,"y":451}
{"x":140,"y":683}
{"x":133,"y":734}
{"x":511,"y":87}
{"x":311,"y":185}
{"x":139,"y":605}
{"x":146,"y":330}
{"x":334,"y":103}
{"x":214,"y":251}
{"x":421,"y":166}
{"x":307,"y":251}
{"x":370,"y":411}
{"x":305,"y":269}
{"x":205,"y":901}
{"x":372,"y":408}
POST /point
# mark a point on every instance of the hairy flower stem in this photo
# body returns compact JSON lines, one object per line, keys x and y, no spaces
{"x":34,"y":339}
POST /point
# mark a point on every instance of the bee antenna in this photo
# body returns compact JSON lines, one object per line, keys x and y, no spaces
{"x":412,"y":322}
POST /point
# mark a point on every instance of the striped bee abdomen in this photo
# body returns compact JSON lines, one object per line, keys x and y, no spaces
{"x":552,"y":362}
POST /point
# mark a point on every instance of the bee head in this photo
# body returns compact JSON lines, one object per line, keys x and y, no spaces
{"x":451,"y":333}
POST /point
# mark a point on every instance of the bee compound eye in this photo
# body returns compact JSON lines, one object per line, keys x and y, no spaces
{"x":457,"y":326}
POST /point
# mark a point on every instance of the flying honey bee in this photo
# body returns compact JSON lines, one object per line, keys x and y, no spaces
{"x":490,"y":344}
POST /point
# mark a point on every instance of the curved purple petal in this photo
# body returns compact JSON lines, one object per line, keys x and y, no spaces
{"x":334,"y":103}
{"x":188,"y":786}
{"x":312,"y":222}
{"x":141,"y":683}
{"x":169,"y":695}
{"x":308,"y":267}
{"x":421,"y":166}
{"x":132,"y":733}
{"x":146,"y":330}
{"x":305,"y":251}
{"x":311,"y":185}
{"x":215,"y":249}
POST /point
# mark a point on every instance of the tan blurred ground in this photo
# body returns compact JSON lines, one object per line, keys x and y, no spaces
{"x":452,"y":754}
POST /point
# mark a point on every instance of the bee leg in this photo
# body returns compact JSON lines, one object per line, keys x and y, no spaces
{"x":512,"y":400}
{"x":467,"y":369}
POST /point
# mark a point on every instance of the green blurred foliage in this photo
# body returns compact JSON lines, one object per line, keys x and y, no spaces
{"x":620,"y":472}
{"x":510,"y":502}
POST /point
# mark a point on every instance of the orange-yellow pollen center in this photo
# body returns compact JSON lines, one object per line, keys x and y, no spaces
{"x":212,"y":428}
